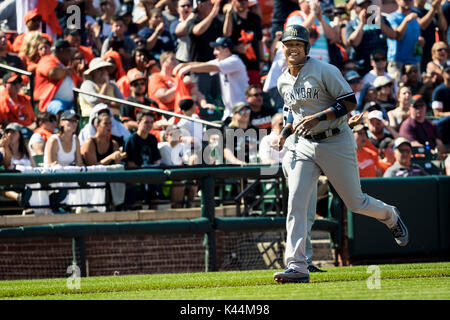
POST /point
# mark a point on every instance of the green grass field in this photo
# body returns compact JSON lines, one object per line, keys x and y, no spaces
{"x":425,"y":281}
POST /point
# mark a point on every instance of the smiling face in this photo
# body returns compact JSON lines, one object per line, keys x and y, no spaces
{"x":294,"y":52}
{"x":404,"y":95}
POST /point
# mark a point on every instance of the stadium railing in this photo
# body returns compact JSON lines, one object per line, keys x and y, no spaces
{"x":206,"y":224}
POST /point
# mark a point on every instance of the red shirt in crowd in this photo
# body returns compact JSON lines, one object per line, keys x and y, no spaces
{"x":16,"y":110}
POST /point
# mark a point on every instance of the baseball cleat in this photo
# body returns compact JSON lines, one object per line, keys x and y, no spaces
{"x":290,"y":275}
{"x":399,"y":231}
{"x":313,"y":268}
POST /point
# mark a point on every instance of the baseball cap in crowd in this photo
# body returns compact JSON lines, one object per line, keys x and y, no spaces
{"x":378,"y":54}
{"x":13,"y":126}
{"x":11,"y":77}
{"x":371,"y":106}
{"x":134,"y":75}
{"x":30,"y":15}
{"x":352,"y":75}
{"x":222,"y":42}
{"x":69,"y":114}
{"x":399,"y":141}
{"x":375,"y":114}
{"x":61,"y":44}
{"x":186,"y":104}
{"x":97,"y":63}
{"x":239,"y":106}
{"x":381,"y":81}
{"x":418,"y":101}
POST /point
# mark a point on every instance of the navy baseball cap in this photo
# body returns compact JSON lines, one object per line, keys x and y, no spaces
{"x":222,"y":42}
{"x":69,"y":114}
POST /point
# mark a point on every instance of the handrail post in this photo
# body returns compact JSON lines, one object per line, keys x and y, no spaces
{"x":79,"y":245}
{"x":208,"y":211}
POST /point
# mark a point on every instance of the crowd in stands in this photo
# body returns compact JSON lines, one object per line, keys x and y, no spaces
{"x":217,"y":60}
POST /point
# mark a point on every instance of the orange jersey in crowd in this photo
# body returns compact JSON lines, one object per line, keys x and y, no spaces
{"x":16,"y":110}
{"x":367,"y":163}
{"x":158,"y":81}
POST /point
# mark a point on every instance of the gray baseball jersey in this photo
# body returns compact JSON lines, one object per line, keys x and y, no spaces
{"x":317,"y":86}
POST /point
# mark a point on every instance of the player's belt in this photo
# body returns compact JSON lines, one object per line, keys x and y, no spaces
{"x":323,"y":135}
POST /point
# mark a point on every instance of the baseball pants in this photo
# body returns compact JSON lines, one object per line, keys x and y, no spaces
{"x":336,"y":157}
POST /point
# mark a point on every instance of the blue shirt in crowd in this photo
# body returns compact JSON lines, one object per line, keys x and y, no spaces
{"x":403,"y":50}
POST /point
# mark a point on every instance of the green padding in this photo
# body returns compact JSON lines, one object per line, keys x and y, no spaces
{"x":198,"y":225}
{"x":444,"y":212}
{"x":417,"y":200}
{"x":224,"y":172}
{"x":144,"y":176}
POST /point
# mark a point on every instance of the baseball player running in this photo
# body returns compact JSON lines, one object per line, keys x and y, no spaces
{"x":319,"y":138}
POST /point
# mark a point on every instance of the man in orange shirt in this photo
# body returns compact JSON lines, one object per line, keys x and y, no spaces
{"x":14,"y":105}
{"x":55,"y":79}
{"x":367,"y":158}
{"x":161,"y":85}
{"x":33,"y":22}
{"x":73,"y":36}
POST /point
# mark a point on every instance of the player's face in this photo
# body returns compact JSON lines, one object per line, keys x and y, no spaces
{"x":294,"y":52}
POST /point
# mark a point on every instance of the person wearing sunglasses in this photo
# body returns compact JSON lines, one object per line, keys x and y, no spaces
{"x":439,"y":55}
{"x":260,"y":116}
{"x":403,"y":166}
{"x":179,"y":32}
{"x":378,"y":62}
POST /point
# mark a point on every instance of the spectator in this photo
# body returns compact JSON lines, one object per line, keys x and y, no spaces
{"x":240,"y":137}
{"x":260,"y":115}
{"x":281,"y":10}
{"x":161,"y":85}
{"x":7,"y":58}
{"x":47,"y":123}
{"x":385,"y":93}
{"x":420,"y":131}
{"x":142,"y":147}
{"x":124,"y":44}
{"x":403,"y":166}
{"x":365,"y":37}
{"x":174,"y":153}
{"x":119,"y":132}
{"x":192,"y":132}
{"x":378,"y":62}
{"x":367,"y":158}
{"x":101,"y":148}
{"x":138,"y":85}
{"x":310,"y":16}
{"x":55,"y":79}
{"x":401,"y":112}
{"x":406,"y":47}
{"x":355,"y":82}
{"x":97,"y":80}
{"x":441,"y":105}
{"x":158,"y":39}
{"x":169,"y":11}
{"x":411,"y":79}
{"x":203,"y":29}
{"x":79,"y":66}
{"x":429,"y":21}
{"x":101,"y":29}
{"x":379,"y":128}
{"x":14,"y":149}
{"x":73,"y":36}
{"x":142,"y":61}
{"x":29,"y":52}
{"x":33,"y":22}
{"x":231,"y":69}
{"x":178,"y":30}
{"x":439,"y":55}
{"x":125,"y":12}
{"x":63,"y":148}
{"x":14,"y":105}
{"x":268,"y":152}
{"x":244,"y":29}
{"x":386,"y":157}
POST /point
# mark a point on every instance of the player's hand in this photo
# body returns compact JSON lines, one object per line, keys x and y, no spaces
{"x":355,"y":120}
{"x":305,"y":125}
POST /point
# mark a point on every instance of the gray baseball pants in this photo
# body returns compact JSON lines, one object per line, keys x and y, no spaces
{"x":336,"y":157}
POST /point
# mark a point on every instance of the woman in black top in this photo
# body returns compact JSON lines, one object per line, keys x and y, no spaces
{"x":101,"y":148}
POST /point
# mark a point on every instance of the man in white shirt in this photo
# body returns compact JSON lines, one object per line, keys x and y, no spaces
{"x":231,"y":69}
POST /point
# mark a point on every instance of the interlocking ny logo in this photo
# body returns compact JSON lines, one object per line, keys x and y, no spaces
{"x":293,"y":32}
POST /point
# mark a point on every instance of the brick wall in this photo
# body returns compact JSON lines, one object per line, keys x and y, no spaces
{"x":129,"y":254}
